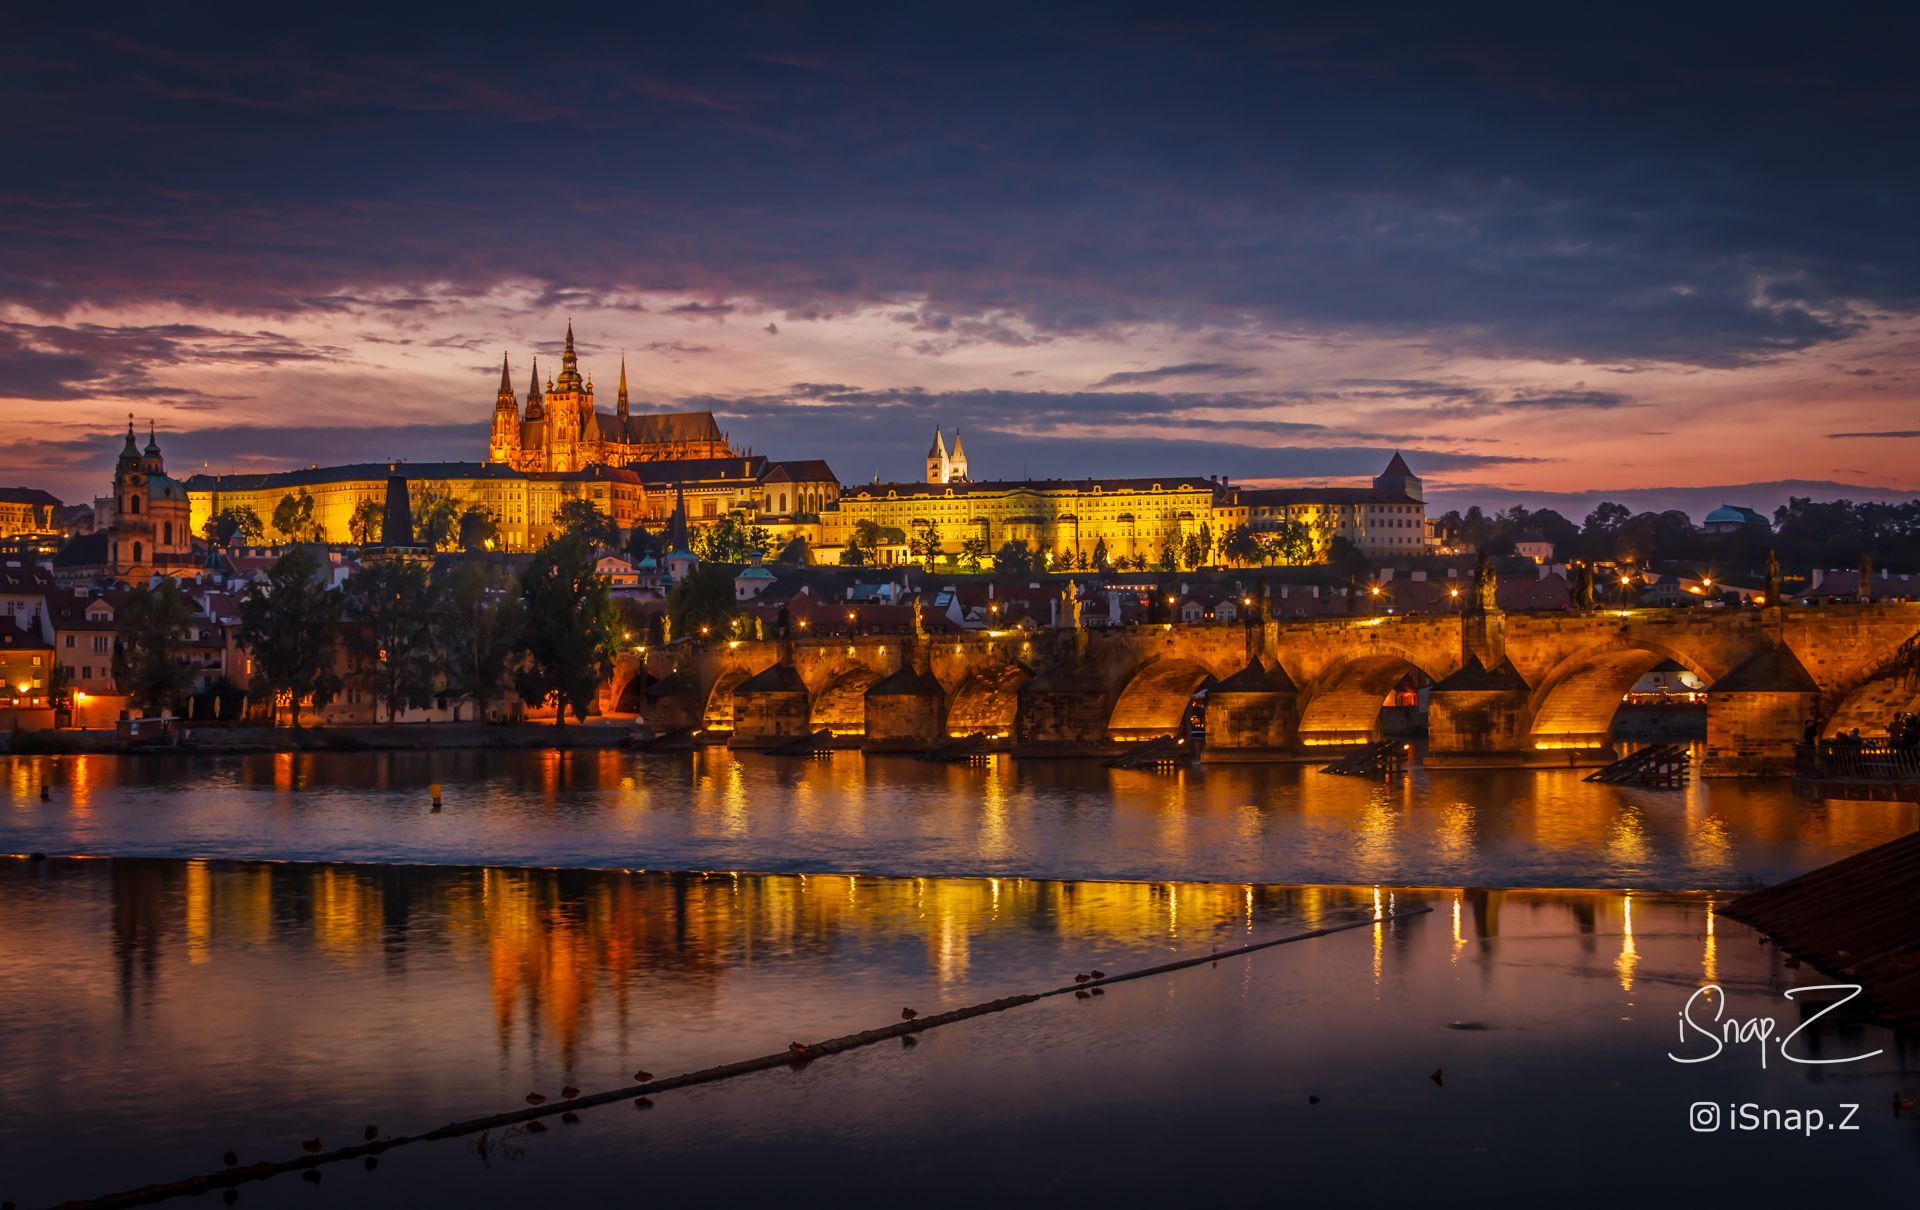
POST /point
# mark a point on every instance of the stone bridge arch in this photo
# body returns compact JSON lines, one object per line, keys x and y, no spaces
{"x":1342,"y":705}
{"x":716,"y":714}
{"x":840,"y":703}
{"x":988,"y":700}
{"x":1574,"y":703}
{"x":1871,"y":705}
{"x":1153,"y":701}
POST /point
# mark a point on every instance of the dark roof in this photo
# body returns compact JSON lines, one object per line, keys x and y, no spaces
{"x":383,"y":471}
{"x":28,"y":495}
{"x":1272,"y":496}
{"x":662,"y":428}
{"x":991,"y":487}
{"x":87,"y":550}
{"x":801,"y":470}
{"x":24,"y":577}
{"x":23,"y":640}
{"x":1256,"y":679}
{"x":694,"y":470}
{"x":69,"y":612}
{"x":1776,"y":670}
{"x":907,"y":683}
{"x":1398,"y":467}
{"x":780,"y":678}
{"x":1475,"y":677}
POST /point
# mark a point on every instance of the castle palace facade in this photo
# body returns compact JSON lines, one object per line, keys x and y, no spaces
{"x":561,"y":431}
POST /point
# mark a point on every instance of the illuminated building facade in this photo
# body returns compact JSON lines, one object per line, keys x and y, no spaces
{"x":26,"y":510}
{"x":561,"y":430}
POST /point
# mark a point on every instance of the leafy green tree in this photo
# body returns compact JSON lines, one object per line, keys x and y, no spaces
{"x":702,"y":598}
{"x":149,"y":656}
{"x":571,"y":633}
{"x":289,"y":624}
{"x":585,"y":518}
{"x":388,"y":611}
{"x":732,"y":539}
{"x":479,"y":529}
{"x":436,"y":518}
{"x":234,"y":521}
{"x":363,"y":527}
{"x":1241,"y":546}
{"x":973,"y":553}
{"x":293,"y":518}
{"x":1294,"y":541}
{"x":1170,"y":553}
{"x":1013,"y":557}
{"x":926,"y":544}
{"x":478,"y":624}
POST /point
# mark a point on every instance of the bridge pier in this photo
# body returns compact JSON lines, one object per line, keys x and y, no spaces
{"x":1063,"y":712}
{"x":1757,"y":713}
{"x":771,"y":707}
{"x":904,"y":712}
{"x":1478,"y":716}
{"x":1253,"y":715}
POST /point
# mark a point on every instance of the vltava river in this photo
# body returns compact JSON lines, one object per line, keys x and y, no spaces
{"x":851,"y":814}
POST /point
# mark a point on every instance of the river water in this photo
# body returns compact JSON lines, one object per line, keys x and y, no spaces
{"x":259,"y":951}
{"x":845,"y":813}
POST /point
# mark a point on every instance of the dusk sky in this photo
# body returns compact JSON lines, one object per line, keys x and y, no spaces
{"x":1551,"y":253}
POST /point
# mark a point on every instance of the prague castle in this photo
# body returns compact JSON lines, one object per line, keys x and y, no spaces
{"x":1127,"y":518}
{"x":636,"y":468}
{"x":556,"y":446}
{"x":562,"y":431}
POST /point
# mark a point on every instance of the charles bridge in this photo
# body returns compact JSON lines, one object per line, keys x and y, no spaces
{"x":1507,"y":689}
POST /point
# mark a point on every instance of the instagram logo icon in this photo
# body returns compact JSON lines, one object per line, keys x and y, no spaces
{"x":1704,"y":1116}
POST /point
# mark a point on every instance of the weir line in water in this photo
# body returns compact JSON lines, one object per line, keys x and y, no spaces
{"x":240,"y":1174}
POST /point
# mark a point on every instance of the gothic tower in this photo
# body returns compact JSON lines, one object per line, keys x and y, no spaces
{"x":957,"y":461}
{"x":504,"y":443}
{"x":569,"y":404}
{"x":939,"y":466}
{"x":620,"y":402}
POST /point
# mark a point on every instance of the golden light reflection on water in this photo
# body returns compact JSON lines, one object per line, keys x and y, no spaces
{"x":199,"y":915}
{"x":1709,"y":952}
{"x":1629,"y":958}
{"x":1261,"y":823}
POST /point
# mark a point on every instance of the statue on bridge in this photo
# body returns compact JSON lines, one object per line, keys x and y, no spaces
{"x":919,"y":620}
{"x":1071,"y":604}
{"x":1863,"y":591}
{"x":1582,"y":586}
{"x":1486,"y":586}
{"x":1773,"y":579}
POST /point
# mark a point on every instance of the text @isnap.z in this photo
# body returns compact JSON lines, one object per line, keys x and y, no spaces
{"x":1737,"y":1117}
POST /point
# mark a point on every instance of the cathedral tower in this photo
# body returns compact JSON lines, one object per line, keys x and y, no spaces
{"x":957,"y":461}
{"x":503,"y":445}
{"x":939,"y":466}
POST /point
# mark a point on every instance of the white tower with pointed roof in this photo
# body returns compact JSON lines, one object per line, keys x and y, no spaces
{"x":939,"y":465}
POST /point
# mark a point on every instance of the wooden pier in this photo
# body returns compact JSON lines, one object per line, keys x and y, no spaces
{"x":1379,"y":760}
{"x":1170,"y":752}
{"x":1660,"y":765}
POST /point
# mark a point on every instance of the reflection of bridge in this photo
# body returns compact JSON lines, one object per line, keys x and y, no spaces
{"x":1508,"y":689}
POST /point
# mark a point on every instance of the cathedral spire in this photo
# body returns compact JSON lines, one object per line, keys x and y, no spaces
{"x":620,"y":401}
{"x":506,"y":385}
{"x":569,"y":379}
{"x":535,"y":408}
